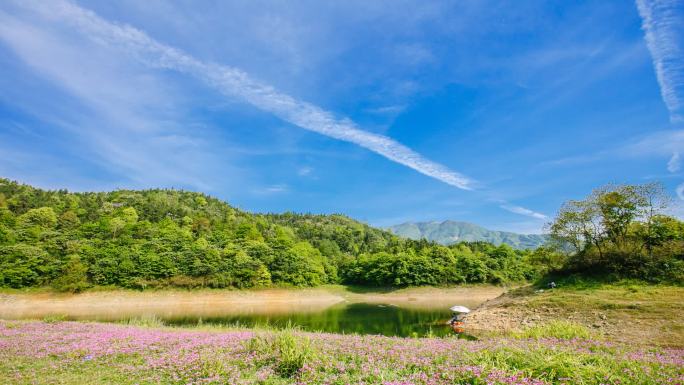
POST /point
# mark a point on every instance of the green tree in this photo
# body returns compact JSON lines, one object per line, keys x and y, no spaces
{"x":620,"y":230}
{"x":69,"y":220}
{"x":43,"y":217}
{"x":23,"y":265}
{"x":73,"y":277}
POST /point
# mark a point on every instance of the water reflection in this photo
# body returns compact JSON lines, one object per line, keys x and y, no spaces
{"x":417,"y":313}
{"x":360,"y":318}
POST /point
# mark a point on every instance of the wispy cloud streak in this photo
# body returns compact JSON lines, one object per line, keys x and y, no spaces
{"x":663,"y":25}
{"x":680,"y":191}
{"x":673,"y":165}
{"x":523,"y":211}
{"x":236,"y":83}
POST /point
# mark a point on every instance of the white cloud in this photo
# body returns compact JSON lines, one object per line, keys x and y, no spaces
{"x":388,"y":110}
{"x":661,"y":143}
{"x":523,"y":227}
{"x":274,"y":189}
{"x":523,"y":211}
{"x":662,"y":25}
{"x":680,"y":191}
{"x":673,"y":165}
{"x":304,"y":171}
{"x":116,"y":117}
{"x":236,"y":83}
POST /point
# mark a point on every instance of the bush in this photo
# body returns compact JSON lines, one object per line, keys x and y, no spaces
{"x":292,"y":352}
{"x":287,"y":352}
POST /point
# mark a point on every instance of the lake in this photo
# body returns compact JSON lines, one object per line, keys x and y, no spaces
{"x":404,"y":312}
{"x":359,"y":318}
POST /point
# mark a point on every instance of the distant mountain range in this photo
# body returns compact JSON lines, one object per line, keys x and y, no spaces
{"x":449,"y":232}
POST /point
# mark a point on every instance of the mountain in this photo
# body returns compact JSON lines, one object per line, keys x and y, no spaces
{"x":449,"y":232}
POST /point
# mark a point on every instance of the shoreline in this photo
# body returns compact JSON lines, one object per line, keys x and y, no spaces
{"x":111,"y":304}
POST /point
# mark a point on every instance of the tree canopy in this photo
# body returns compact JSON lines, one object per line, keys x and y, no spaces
{"x":622,"y":230}
{"x":158,"y":238}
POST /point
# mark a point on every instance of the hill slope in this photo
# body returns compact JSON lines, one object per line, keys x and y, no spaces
{"x":449,"y":232}
{"x":158,"y":238}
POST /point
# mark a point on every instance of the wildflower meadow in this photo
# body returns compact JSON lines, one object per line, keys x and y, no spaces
{"x":38,"y":352}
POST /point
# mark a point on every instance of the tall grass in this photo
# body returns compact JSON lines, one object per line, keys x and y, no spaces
{"x":555,"y":329}
{"x":148,"y":321}
{"x":53,"y":318}
{"x":558,"y":366}
{"x":285,"y":350}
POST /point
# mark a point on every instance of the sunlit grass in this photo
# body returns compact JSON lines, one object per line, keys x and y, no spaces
{"x":77,"y":353}
{"x":555,"y":329}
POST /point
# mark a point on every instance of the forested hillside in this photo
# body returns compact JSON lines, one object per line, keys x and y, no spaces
{"x":448,"y":232}
{"x":158,"y":238}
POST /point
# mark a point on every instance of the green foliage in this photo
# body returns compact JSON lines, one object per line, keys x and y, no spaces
{"x":149,"y":321}
{"x":288,"y":352}
{"x":24,"y":265}
{"x":43,"y":217}
{"x":73,"y":277}
{"x":559,"y":366}
{"x":158,"y":238}
{"x":622,"y":232}
{"x":54,"y":318}
{"x":555,"y":329}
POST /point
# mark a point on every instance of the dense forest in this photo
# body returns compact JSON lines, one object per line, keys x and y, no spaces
{"x":171,"y":238}
{"x":159,"y":238}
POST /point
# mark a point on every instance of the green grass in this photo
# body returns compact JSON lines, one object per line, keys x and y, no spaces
{"x":558,"y":366}
{"x":627,"y":310}
{"x":560,"y":329}
{"x":288,"y":352}
{"x":52,"y":370}
{"x":52,"y":318}
{"x":149,"y":321}
{"x":625,"y":296}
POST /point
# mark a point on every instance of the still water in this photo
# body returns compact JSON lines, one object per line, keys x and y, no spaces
{"x":359,"y":318}
{"x":406,"y":314}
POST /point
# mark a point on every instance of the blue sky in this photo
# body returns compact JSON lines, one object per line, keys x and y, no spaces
{"x":488,"y":112}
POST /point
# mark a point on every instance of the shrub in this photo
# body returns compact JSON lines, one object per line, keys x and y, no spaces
{"x":287,"y":352}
